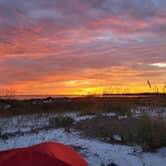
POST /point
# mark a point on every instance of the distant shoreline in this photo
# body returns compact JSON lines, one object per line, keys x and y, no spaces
{"x":28,"y":97}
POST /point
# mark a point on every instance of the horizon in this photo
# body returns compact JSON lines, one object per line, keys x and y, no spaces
{"x":80,"y":47}
{"x":90,"y":93}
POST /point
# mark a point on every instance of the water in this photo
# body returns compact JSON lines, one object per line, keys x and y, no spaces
{"x":27,"y":97}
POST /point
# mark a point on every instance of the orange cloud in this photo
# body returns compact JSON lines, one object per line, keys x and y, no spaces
{"x":55,"y":47}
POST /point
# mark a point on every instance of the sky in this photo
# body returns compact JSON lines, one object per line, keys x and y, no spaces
{"x":82,"y":46}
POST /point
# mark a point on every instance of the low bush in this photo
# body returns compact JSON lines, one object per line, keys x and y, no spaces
{"x":146,"y":132}
{"x":152,"y":133}
{"x":61,"y":121}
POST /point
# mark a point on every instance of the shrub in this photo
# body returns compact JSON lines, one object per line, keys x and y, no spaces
{"x":61,"y":121}
{"x":146,"y":132}
{"x":152,"y":133}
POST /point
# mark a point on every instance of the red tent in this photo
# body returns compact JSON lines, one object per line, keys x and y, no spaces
{"x":44,"y":154}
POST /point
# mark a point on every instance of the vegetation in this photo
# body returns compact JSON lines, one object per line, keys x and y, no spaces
{"x":106,"y":106}
{"x":61,"y":121}
{"x":85,"y":105}
{"x":152,"y":133}
{"x":146,"y":132}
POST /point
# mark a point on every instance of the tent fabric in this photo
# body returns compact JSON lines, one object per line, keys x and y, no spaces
{"x":44,"y":154}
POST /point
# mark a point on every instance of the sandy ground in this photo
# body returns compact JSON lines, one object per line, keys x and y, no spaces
{"x":94,"y":151}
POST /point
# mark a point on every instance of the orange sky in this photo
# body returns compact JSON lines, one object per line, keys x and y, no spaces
{"x":81,"y":47}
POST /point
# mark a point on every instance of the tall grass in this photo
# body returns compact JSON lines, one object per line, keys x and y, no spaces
{"x":146,"y":132}
{"x":152,"y":132}
{"x":61,"y":121}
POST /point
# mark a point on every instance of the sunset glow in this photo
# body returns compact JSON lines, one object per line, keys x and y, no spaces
{"x":82,"y":46}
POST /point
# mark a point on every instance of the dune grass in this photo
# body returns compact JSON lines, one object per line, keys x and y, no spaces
{"x":146,"y":132}
{"x":61,"y":121}
{"x":85,"y":105}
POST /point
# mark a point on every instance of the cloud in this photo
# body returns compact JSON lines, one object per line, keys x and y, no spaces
{"x":160,"y":65}
{"x":57,"y":41}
